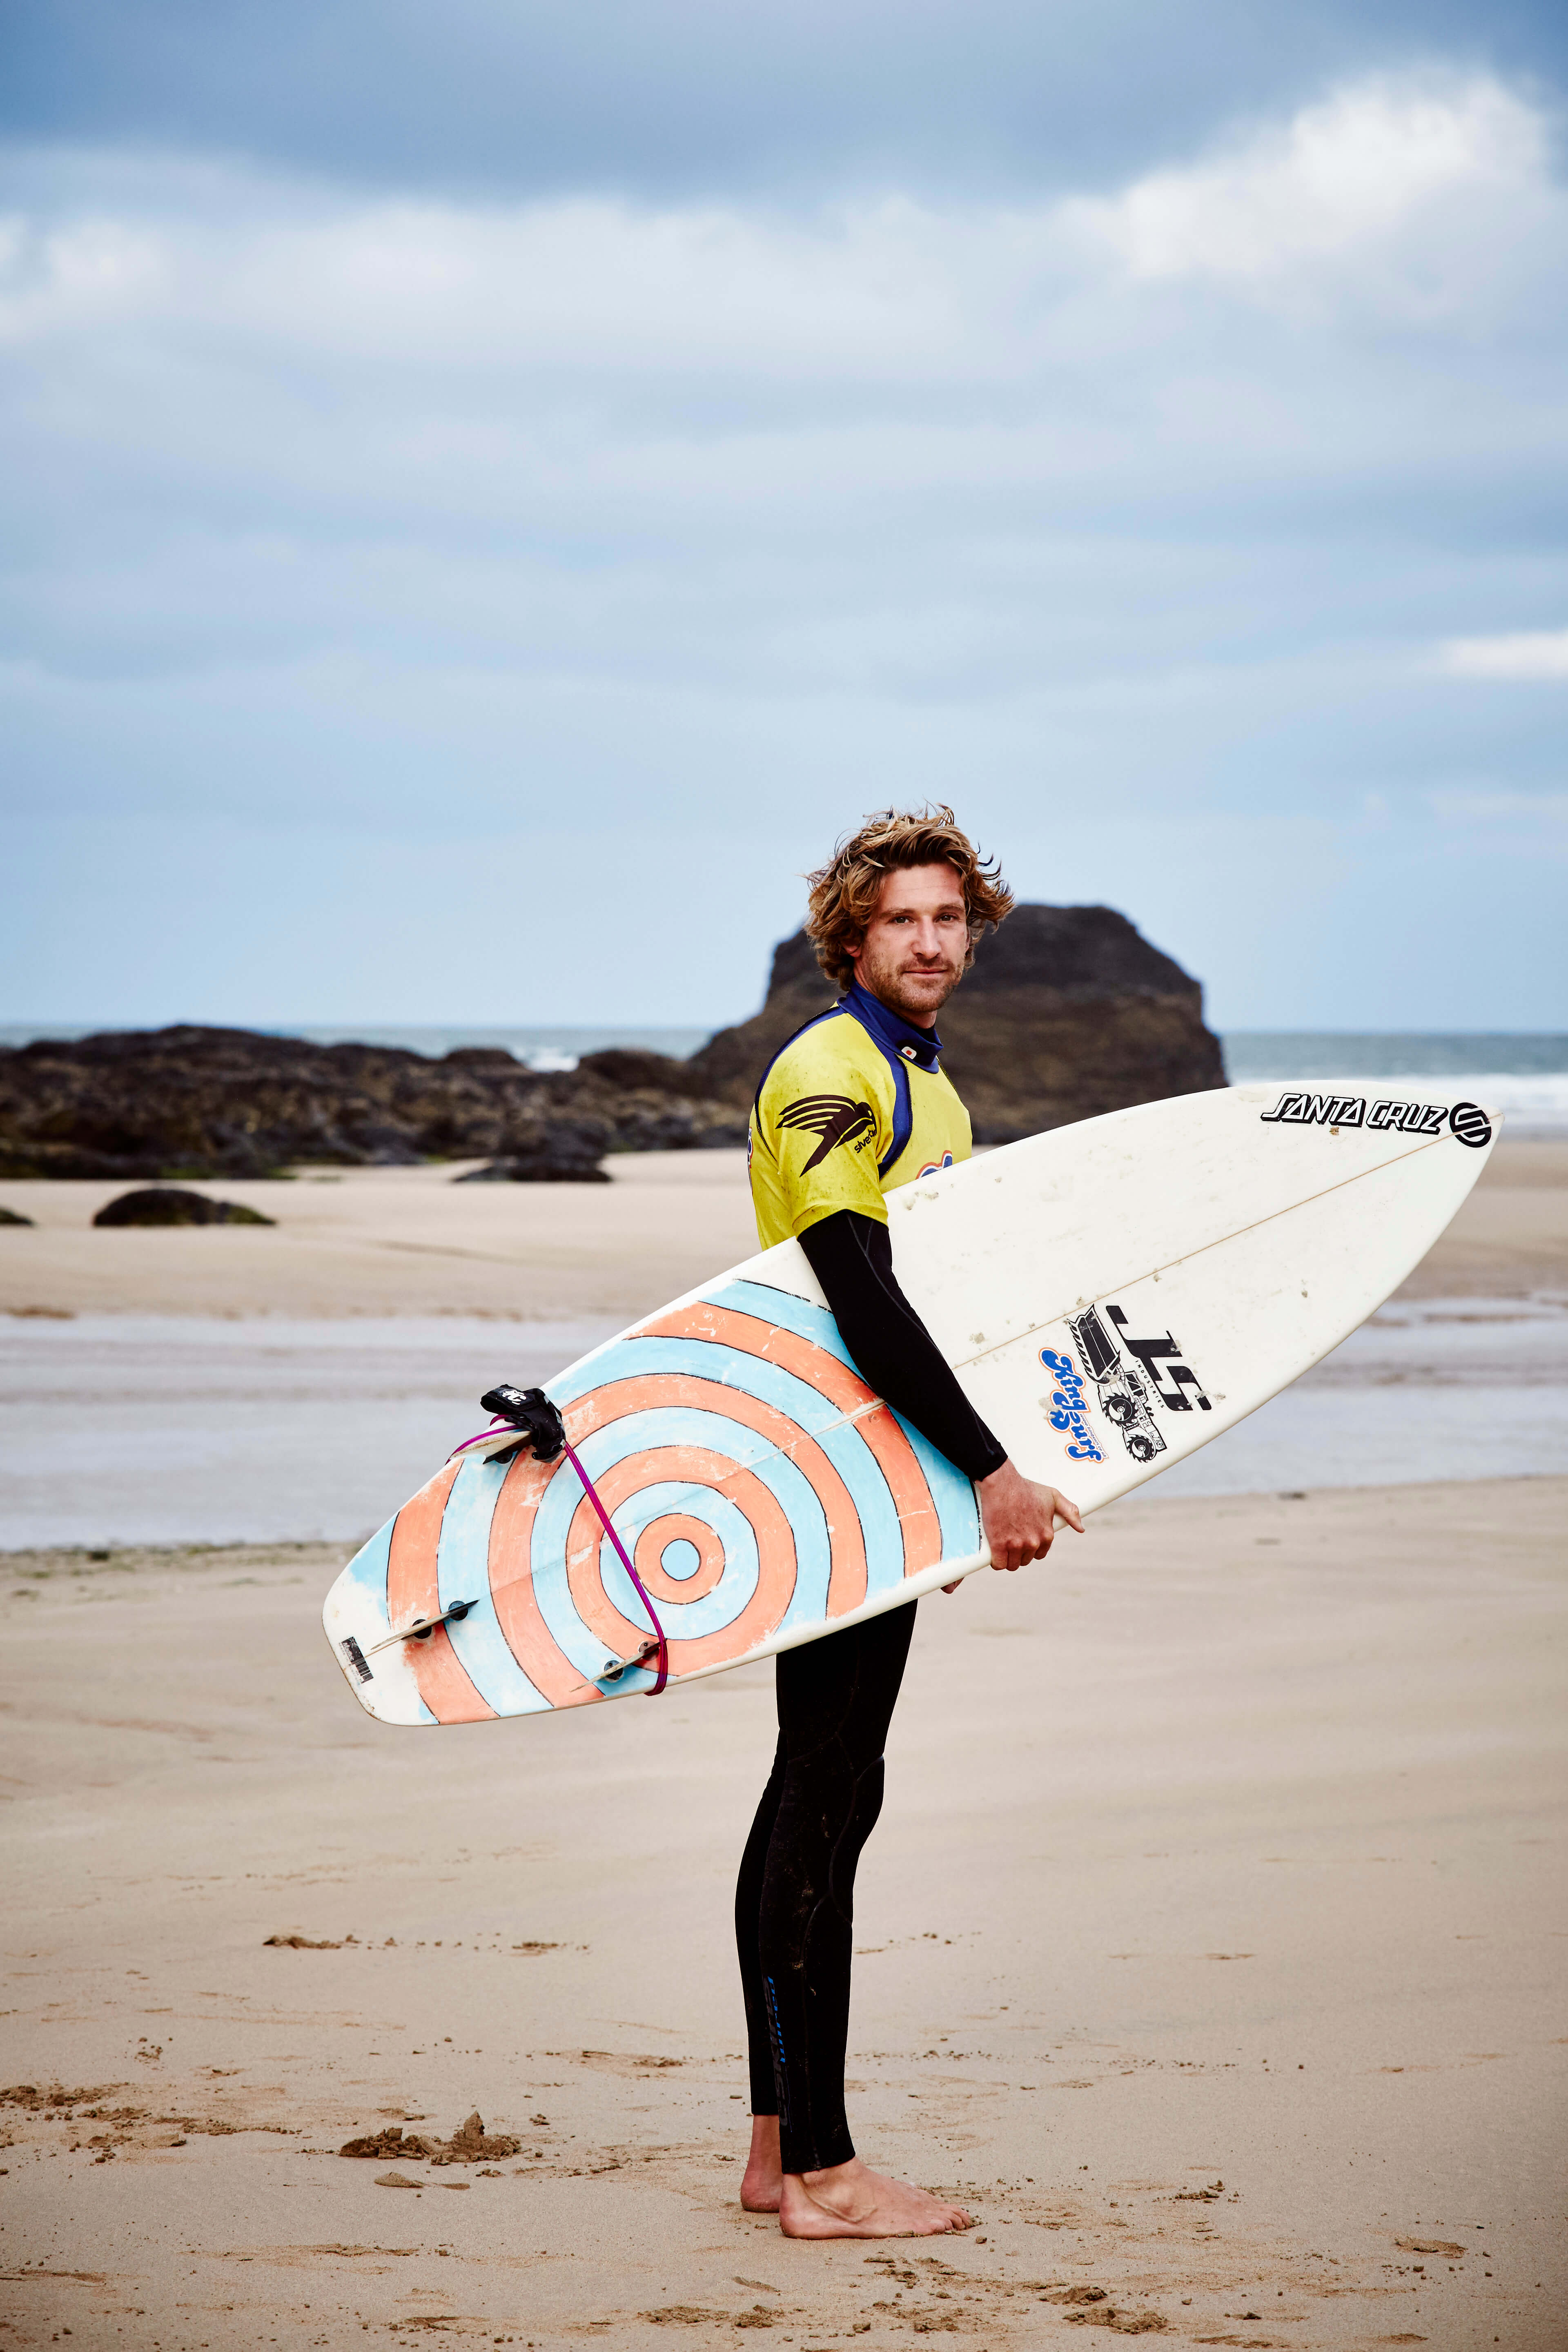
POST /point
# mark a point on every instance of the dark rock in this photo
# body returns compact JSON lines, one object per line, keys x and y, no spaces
{"x":651,"y":1102}
{"x":11,"y":1217}
{"x":166,"y":1204}
{"x":628,"y":1069}
{"x":1079,"y":952}
{"x":1067,"y":1011}
{"x":647,"y":1123}
{"x":189,"y":1101}
{"x":533,"y":1168}
{"x":549,"y":1151}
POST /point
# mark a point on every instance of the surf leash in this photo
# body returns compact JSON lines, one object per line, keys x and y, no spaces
{"x":541,"y":1428}
{"x":589,"y":1489}
{"x":493,"y":1431}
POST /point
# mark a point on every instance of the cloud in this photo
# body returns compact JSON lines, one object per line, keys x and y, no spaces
{"x":892,"y":291}
{"x":1530,"y":654}
{"x":354,"y":522}
{"x":1356,"y":171}
{"x":679,"y":100}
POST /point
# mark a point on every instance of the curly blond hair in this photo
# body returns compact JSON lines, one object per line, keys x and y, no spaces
{"x":844,"y":891}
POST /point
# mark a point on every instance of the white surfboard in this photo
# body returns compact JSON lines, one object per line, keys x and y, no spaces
{"x":1111,"y":1296}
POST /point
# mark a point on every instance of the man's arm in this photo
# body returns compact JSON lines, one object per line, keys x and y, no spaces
{"x":852,"y":1259}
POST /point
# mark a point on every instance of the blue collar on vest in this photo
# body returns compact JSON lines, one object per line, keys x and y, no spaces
{"x":895,"y":1035}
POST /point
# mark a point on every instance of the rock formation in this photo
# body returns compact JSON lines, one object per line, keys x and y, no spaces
{"x":167,"y":1204}
{"x":199,"y":1102}
{"x":1067,"y":1011}
{"x":557,"y":1151}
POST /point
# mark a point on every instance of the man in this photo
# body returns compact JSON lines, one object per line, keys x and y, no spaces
{"x":854,"y":1103}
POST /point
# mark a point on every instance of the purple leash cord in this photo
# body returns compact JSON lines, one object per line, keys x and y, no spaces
{"x":588,"y":1489}
{"x":493,"y":1431}
{"x":592,"y":1492}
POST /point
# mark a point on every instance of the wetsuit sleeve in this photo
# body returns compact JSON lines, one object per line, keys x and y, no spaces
{"x":852,"y":1259}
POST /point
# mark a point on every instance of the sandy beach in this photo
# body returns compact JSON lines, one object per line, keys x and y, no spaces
{"x":1213,"y":1936}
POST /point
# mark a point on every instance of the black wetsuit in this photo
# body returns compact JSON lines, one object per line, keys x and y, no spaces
{"x":795,"y":1900}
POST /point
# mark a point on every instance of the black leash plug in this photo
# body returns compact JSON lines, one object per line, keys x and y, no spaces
{"x":529,"y":1411}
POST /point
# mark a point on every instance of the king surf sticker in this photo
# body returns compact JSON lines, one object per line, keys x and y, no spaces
{"x":1126,"y":1396}
{"x":1067,"y":1406}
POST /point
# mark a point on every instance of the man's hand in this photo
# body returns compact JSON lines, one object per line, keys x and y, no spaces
{"x":1019,"y":1518}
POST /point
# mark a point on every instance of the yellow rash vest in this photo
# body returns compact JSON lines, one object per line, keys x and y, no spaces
{"x":854,"y":1103}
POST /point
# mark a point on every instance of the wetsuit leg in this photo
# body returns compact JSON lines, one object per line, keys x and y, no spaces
{"x":795,"y":1900}
{"x":748,"y":1911}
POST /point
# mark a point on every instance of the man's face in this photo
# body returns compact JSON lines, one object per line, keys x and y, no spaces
{"x":916,"y":942}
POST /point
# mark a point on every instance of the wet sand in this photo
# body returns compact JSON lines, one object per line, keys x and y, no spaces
{"x":1212,"y":1944}
{"x":406,"y":1241}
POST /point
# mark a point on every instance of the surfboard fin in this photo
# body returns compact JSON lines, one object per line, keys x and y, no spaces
{"x":614,"y":1668}
{"x":423,"y":1627}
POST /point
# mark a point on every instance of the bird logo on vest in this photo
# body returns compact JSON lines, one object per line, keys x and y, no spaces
{"x":833,"y":1117}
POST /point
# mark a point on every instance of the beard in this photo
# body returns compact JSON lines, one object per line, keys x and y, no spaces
{"x":918,"y":994}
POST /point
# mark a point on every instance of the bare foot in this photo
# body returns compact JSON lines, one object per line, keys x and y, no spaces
{"x":851,"y":2201}
{"x":762,"y":2184}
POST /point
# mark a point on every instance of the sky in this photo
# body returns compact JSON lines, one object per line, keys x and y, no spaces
{"x":492,"y":492}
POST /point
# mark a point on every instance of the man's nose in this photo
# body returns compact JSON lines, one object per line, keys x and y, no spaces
{"x":928,"y":941}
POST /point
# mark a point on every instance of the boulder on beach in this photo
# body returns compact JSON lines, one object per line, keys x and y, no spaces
{"x":1067,"y":1011}
{"x":167,"y":1204}
{"x":548,"y":1151}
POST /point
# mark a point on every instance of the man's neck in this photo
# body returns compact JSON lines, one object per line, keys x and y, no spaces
{"x":925,"y":1025}
{"x":912,"y":1041}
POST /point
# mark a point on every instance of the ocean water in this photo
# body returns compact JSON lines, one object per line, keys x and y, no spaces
{"x":1523,"y":1074}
